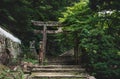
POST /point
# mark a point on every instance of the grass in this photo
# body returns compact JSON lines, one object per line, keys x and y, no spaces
{"x":33,"y":61}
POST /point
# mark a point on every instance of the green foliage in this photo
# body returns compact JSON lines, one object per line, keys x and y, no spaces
{"x":98,"y":37}
{"x":8,"y":74}
{"x":29,"y":60}
{"x":104,"y":4}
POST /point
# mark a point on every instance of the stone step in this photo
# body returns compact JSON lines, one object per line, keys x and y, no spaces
{"x":57,"y":70}
{"x":57,"y":78}
{"x":60,"y":60}
{"x":57,"y":63}
{"x":56,"y":66}
{"x":57,"y":75}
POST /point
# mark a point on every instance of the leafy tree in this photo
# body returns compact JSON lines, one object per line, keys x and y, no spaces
{"x":104,"y":5}
{"x":97,"y":35}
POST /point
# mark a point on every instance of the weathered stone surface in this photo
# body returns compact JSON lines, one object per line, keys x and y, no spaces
{"x":9,"y":46}
{"x":91,"y":77}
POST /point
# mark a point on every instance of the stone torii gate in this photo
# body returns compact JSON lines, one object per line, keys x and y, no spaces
{"x":42,"y":52}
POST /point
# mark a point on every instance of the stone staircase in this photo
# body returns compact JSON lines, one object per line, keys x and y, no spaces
{"x":61,"y":60}
{"x":57,"y":71}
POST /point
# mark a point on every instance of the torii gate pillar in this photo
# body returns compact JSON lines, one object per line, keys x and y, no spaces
{"x":44,"y":42}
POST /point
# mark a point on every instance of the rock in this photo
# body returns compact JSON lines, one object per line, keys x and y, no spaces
{"x":91,"y":77}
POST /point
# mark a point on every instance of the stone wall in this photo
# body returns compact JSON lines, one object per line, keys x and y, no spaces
{"x":8,"y":49}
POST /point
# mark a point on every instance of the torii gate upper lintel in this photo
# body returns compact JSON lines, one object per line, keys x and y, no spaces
{"x":45,"y":24}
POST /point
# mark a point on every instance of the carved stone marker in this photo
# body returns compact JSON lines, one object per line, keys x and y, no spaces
{"x":32,"y":49}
